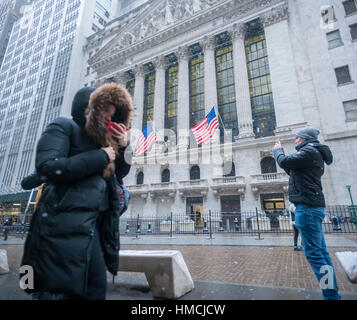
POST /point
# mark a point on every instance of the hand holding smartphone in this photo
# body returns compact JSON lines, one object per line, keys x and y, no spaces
{"x":112,"y":125}
{"x":119,"y":132}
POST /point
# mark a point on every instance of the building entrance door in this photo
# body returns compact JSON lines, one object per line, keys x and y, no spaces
{"x":273,"y":205}
{"x":194,"y":208}
{"x":230,"y":209}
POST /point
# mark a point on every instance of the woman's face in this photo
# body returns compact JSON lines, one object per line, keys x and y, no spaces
{"x":107,"y":115}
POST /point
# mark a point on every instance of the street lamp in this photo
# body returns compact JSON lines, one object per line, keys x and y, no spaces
{"x":348,"y":186}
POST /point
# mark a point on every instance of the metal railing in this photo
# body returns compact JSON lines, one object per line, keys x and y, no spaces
{"x":339,"y":219}
{"x":18,"y":230}
{"x":18,"y":227}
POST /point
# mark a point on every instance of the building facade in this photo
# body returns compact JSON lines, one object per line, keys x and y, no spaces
{"x":40,"y":75}
{"x":10,"y":11}
{"x":269,"y":67}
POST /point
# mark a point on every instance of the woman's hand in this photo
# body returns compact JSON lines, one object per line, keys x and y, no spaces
{"x":119,"y":132}
{"x":110,"y":152}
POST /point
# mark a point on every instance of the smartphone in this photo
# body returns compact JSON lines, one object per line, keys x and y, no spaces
{"x":112,"y":124}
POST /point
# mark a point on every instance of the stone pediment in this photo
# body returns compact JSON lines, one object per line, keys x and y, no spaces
{"x":160,"y":20}
{"x":160,"y":15}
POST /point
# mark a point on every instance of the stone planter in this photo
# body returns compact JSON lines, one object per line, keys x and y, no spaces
{"x":186,"y":226}
{"x":264,"y":225}
{"x":285,"y":224}
{"x":165,"y":226}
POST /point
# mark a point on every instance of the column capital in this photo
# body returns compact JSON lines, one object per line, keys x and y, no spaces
{"x":182,"y":53}
{"x":208,"y":43}
{"x":237,"y":31}
{"x":275,"y":15}
{"x":159,"y":62}
{"x":139,"y":70}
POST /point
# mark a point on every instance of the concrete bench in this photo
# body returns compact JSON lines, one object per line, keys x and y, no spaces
{"x":348,"y":261}
{"x":165,"y":271}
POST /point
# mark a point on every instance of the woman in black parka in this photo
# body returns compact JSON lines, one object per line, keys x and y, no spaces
{"x":74,"y":233}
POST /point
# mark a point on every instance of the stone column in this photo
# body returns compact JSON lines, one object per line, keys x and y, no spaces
{"x":183,"y":99}
{"x":137,"y":121}
{"x":208,"y":45}
{"x":283,"y":75}
{"x":151,"y":175}
{"x":159,"y":99}
{"x":241,"y":82}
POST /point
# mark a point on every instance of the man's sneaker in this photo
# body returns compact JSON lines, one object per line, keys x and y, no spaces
{"x":299,"y":248}
{"x":296,"y":248}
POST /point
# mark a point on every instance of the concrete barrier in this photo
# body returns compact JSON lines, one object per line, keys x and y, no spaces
{"x":4,"y":265}
{"x":348,"y":261}
{"x":165,"y":271}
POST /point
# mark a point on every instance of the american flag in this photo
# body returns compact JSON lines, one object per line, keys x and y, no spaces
{"x":205,"y":129}
{"x":145,"y":141}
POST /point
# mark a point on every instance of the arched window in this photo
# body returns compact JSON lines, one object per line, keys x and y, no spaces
{"x":268,"y":165}
{"x":140,"y":178}
{"x":229,"y":170}
{"x":195,"y":173}
{"x":165,"y":175}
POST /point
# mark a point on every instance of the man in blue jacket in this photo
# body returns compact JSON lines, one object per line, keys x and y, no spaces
{"x":305,"y":168}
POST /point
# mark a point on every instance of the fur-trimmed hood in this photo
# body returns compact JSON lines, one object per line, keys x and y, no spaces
{"x":99,"y":102}
{"x":79,"y":105}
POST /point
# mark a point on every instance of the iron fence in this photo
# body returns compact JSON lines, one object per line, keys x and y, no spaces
{"x":13,"y":221}
{"x":339,"y":219}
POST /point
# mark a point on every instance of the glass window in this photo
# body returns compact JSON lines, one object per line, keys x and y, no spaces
{"x":195,"y":173}
{"x":197,"y":107}
{"x":350,"y":109}
{"x":149,"y":95}
{"x":95,"y":28}
{"x":171,"y":96}
{"x":165,"y":175}
{"x":140,"y":178}
{"x":264,"y":121}
{"x":99,"y":19}
{"x":350,"y":7}
{"x":353,"y":29}
{"x":231,"y":172}
{"x":328,"y":14}
{"x":225,"y":85}
{"x":102,"y":9}
{"x":334,"y":39}
{"x":268,"y":165}
{"x":130,"y":86}
{"x":343,"y":75}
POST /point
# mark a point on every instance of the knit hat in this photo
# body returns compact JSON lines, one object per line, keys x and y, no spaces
{"x":308,"y":133}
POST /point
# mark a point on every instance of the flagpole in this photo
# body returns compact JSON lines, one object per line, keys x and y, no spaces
{"x":221,"y":119}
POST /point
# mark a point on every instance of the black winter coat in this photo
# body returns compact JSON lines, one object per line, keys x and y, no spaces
{"x":60,"y":239}
{"x":305,"y":169}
